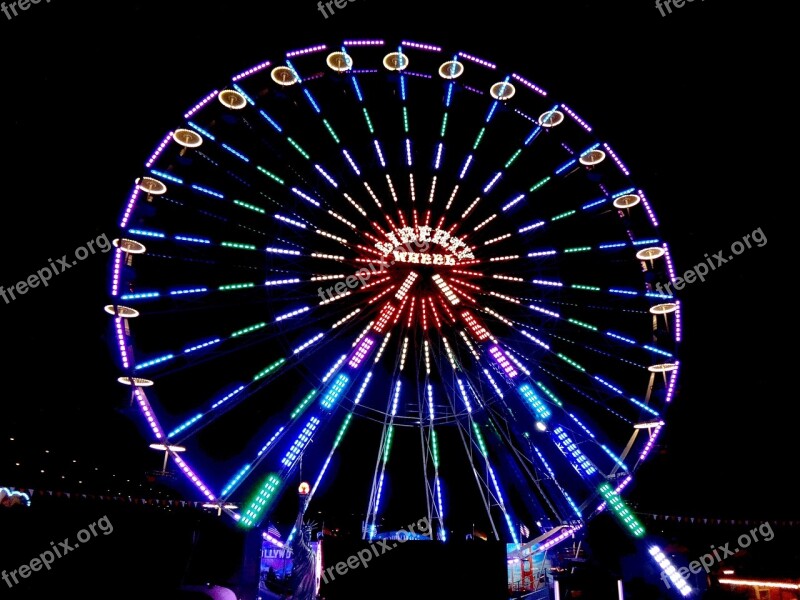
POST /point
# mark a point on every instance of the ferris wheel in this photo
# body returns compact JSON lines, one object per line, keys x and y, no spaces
{"x":409,"y":252}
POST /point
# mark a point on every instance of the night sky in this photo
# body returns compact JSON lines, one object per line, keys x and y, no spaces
{"x":90,"y":88}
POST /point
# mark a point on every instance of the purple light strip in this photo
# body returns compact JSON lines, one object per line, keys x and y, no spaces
{"x":325,"y":174}
{"x":559,"y":538}
{"x":350,"y":160}
{"x":524,"y":116}
{"x":624,"y":484}
{"x":116,"y":274}
{"x":193,"y":478}
{"x":379,"y":152}
{"x":474,"y":90}
{"x":201,"y":104}
{"x":678,"y":328}
{"x":617,"y":160}
{"x":362,"y":71}
{"x":251,"y":70}
{"x":363,"y":43}
{"x":123,"y":352}
{"x":147,"y":411}
{"x":673,"y":379}
{"x":649,"y":210}
{"x":309,"y":50}
{"x":361,"y":352}
{"x":529,"y":84}
{"x":494,"y":180}
{"x":466,"y":166}
{"x":305,"y":197}
{"x":577,"y":119}
{"x":159,"y":150}
{"x":502,"y":360}
{"x":602,"y":506}
{"x":670,"y":266}
{"x":650,"y":443}
{"x":475,"y":59}
{"x":129,"y":209}
{"x":418,"y":45}
{"x":414,"y":74}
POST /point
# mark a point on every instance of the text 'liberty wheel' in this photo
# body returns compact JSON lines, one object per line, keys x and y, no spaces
{"x":406,"y":269}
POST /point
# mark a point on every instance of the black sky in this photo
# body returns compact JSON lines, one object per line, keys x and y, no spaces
{"x":90,"y":88}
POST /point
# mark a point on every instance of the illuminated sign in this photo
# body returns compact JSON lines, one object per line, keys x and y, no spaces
{"x":424,"y":259}
{"x":421,"y":238}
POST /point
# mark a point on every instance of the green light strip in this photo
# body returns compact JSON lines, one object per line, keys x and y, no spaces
{"x":238,"y":246}
{"x":236,"y":286}
{"x":303,"y":404}
{"x":564,"y":215}
{"x":479,"y":138}
{"x":270,"y":369}
{"x":435,"y":444}
{"x":250,"y":206}
{"x":369,"y":121}
{"x":261,"y":501}
{"x":548,"y":393}
{"x":514,"y":157}
{"x":331,"y":131}
{"x":540,"y":184}
{"x":388,"y":446}
{"x":588,"y":288}
{"x":271,"y":175}
{"x":342,"y":430}
{"x":621,"y":510}
{"x":570,"y":361}
{"x":481,"y":444}
{"x":582,"y":324}
{"x":247,"y":330}
{"x":298,"y":147}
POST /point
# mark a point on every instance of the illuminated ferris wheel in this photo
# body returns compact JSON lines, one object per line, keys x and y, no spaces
{"x":408,"y":252}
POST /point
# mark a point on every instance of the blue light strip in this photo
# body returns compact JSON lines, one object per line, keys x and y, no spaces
{"x":300,"y":443}
{"x":570,"y":449}
{"x":185,"y":292}
{"x":271,"y":121}
{"x":335,"y":391}
{"x":201,"y":346}
{"x":185,"y":426}
{"x":201,"y":131}
{"x":312,"y":101}
{"x":167,"y":176}
{"x":236,"y":153}
{"x":235,"y":480}
{"x":542,"y":412}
